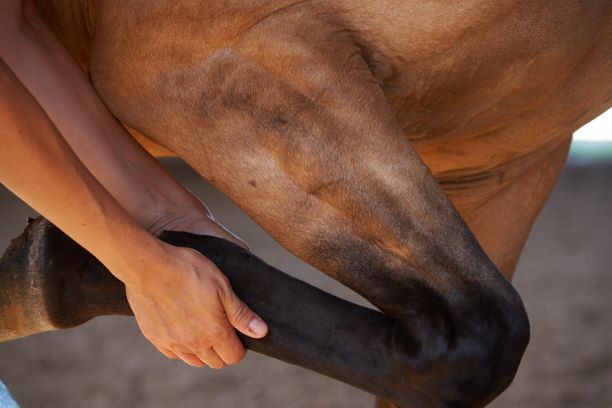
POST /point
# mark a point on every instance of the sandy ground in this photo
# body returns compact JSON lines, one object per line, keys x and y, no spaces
{"x":565,"y":279}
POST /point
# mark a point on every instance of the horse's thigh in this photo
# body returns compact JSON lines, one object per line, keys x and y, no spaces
{"x":502,"y":220}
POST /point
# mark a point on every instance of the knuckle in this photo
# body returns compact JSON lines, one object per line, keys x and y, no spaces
{"x":158,"y":342}
{"x":236,"y":357}
{"x":217,"y":365}
{"x":185,"y":343}
{"x":195,"y":363}
{"x":218,"y":333}
{"x":241,"y":313}
{"x":224,"y":286}
{"x":153,"y":339}
{"x":190,"y":359}
{"x":191,"y":343}
{"x":149,"y":334}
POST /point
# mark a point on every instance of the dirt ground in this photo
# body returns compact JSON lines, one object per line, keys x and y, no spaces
{"x":564,"y":276}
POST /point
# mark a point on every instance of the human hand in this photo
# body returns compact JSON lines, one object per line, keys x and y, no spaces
{"x":165,"y":309}
{"x":186,"y":307}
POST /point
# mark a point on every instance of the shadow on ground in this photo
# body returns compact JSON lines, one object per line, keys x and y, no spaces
{"x":564,"y":276}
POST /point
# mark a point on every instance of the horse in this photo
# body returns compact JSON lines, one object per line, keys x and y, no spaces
{"x":404,"y":148}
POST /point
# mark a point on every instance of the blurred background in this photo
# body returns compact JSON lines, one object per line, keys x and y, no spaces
{"x":564,"y":277}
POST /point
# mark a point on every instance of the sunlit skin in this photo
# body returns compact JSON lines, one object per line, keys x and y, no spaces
{"x":69,"y":159}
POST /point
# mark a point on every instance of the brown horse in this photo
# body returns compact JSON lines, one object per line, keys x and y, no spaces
{"x":402,"y":147}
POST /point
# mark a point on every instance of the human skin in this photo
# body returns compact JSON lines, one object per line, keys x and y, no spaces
{"x":34,"y":148}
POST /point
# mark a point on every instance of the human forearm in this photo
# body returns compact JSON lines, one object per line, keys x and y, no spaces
{"x":166,"y":286}
{"x":135,"y":179}
{"x":38,"y":166}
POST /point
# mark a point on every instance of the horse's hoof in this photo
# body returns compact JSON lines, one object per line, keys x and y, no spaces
{"x":49,"y":282}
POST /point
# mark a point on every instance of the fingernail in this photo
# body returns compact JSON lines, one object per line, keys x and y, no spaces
{"x":257,"y":327}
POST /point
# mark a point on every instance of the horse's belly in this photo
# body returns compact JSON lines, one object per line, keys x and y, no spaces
{"x":475,"y":86}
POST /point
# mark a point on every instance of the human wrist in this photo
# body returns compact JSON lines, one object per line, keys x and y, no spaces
{"x":131,"y":254}
{"x":168,"y":213}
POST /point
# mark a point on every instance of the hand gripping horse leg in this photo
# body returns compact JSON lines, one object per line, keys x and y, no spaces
{"x":49,"y":282}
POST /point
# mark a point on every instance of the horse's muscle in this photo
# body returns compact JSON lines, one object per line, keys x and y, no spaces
{"x":487,"y":93}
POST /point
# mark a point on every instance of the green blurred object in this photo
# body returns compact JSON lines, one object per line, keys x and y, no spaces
{"x":587,"y":152}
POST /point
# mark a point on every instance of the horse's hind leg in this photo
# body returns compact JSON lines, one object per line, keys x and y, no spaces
{"x":290,"y":123}
{"x":501,"y":214}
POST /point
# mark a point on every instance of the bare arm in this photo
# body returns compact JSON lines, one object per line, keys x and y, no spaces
{"x":166,"y":286}
{"x":142,"y":187}
{"x":38,"y":166}
{"x":136,"y":180}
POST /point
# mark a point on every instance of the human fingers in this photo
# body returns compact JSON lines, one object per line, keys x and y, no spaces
{"x":231,"y":349}
{"x":240,"y":316}
{"x":210,"y":357}
{"x":168,"y":353}
{"x":191,"y":359}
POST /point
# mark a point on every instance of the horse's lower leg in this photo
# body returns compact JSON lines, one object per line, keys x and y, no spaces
{"x":48,"y":281}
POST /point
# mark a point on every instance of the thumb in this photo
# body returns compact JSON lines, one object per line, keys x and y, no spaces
{"x":243,"y":318}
